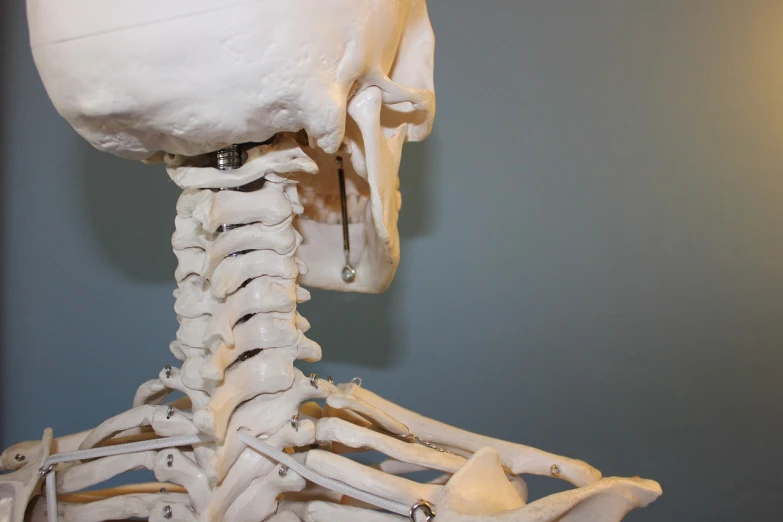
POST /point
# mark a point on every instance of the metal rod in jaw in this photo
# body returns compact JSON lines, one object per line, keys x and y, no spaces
{"x":348,"y":274}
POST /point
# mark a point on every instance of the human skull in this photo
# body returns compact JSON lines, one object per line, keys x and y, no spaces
{"x":144,"y":79}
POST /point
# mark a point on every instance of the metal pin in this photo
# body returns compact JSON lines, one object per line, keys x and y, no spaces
{"x":314,"y":380}
{"x":167,"y":371}
{"x":167,"y":512}
{"x":170,"y":460}
{"x":169,"y":412}
{"x":555,"y":470}
{"x":349,"y":273}
{"x":19,"y":457}
{"x":295,"y":422}
{"x":283,"y":470}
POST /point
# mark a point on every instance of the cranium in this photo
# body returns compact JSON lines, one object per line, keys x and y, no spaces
{"x":354,"y":86}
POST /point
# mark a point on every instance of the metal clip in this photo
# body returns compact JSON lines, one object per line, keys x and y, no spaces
{"x":425,"y":507}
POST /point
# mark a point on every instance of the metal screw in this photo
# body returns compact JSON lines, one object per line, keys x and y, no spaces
{"x":555,"y":470}
{"x":167,"y":512}
{"x":19,"y":457}
{"x":348,"y":274}
{"x":425,"y":507}
{"x":170,"y":460}
{"x":45,"y":471}
{"x":329,"y":378}
{"x":229,"y":158}
{"x":283,"y":471}
{"x":314,"y":380}
{"x":295,"y":422}
{"x":167,"y":371}
{"x":169,"y":412}
{"x":164,"y":490}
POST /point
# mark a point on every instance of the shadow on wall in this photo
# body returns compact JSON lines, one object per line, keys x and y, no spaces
{"x":130,"y":209}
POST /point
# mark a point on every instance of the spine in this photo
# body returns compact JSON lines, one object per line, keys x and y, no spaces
{"x":236,"y":304}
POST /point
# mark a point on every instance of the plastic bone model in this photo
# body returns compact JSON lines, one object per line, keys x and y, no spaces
{"x":283,"y":123}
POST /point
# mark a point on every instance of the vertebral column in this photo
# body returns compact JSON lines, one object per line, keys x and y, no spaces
{"x":236,"y":301}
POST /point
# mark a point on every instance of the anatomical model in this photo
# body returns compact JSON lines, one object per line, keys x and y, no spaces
{"x":283,"y":122}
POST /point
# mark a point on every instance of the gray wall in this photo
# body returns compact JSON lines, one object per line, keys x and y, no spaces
{"x":592,"y":254}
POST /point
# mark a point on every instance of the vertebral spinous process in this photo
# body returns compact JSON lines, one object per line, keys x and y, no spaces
{"x":283,"y":123}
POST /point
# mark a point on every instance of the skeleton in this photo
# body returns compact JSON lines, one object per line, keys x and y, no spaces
{"x":283,"y":123}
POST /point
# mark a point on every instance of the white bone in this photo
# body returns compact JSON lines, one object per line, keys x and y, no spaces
{"x":282,"y":157}
{"x":190,"y":261}
{"x":370,"y":480}
{"x":223,"y":356}
{"x":118,"y":507}
{"x":234,"y":271}
{"x":262,"y":295}
{"x":88,"y":474}
{"x":189,"y":199}
{"x":148,"y":415}
{"x":188,"y":234}
{"x":16,"y":488}
{"x":338,"y":430}
{"x":339,"y":399}
{"x":173,"y":465}
{"x":191,"y":331}
{"x":174,"y":381}
{"x":518,"y":458}
{"x":271,"y":371}
{"x":192,"y":299}
{"x":268,"y":206}
{"x":252,"y":465}
{"x":259,"y":500}
{"x":280,"y":238}
{"x":151,"y":392}
{"x":190,"y":372}
{"x":263,"y":416}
